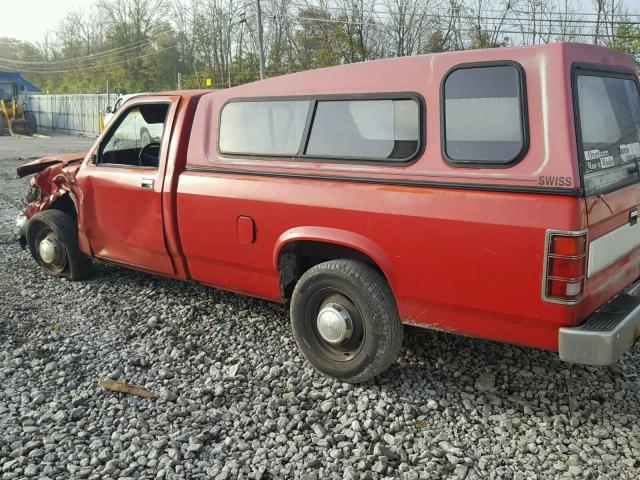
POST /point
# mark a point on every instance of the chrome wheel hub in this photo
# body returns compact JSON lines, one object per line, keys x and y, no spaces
{"x":49,"y":250}
{"x":334,"y":323}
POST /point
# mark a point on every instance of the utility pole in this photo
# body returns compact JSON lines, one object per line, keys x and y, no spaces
{"x":179,"y":81}
{"x":260,"y":43}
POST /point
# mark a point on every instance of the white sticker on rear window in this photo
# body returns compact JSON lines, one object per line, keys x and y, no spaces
{"x":630,"y":151}
{"x":595,"y":154}
{"x":606,"y":162}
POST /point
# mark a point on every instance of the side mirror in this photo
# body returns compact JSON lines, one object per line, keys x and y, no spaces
{"x":109,"y":110}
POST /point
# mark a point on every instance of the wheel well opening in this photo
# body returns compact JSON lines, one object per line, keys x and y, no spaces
{"x":298,"y":257}
{"x":65,"y":204}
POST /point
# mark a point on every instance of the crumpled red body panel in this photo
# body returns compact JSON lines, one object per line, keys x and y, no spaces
{"x":40,"y":164}
{"x":55,"y":177}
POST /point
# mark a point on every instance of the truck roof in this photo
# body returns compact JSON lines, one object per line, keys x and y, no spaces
{"x":399,"y":74}
{"x":548,"y":115}
{"x":382,"y":75}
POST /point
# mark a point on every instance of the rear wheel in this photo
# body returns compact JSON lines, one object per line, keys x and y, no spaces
{"x":345,"y":320}
{"x":52,"y":237}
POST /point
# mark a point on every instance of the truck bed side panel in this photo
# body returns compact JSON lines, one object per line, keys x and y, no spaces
{"x":458,"y":260}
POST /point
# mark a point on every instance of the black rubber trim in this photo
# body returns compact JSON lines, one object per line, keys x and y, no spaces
{"x":390,"y":181}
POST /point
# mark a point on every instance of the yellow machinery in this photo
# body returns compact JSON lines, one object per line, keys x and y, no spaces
{"x":13,"y":117}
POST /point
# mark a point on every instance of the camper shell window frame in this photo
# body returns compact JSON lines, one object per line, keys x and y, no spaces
{"x":524,"y":116}
{"x":596,"y":70}
{"x":313,"y":100}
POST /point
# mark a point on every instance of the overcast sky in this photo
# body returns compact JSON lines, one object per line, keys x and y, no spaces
{"x":30,"y":19}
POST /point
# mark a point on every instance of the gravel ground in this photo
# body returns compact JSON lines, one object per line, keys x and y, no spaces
{"x":238,"y":401}
{"x":26,"y":147}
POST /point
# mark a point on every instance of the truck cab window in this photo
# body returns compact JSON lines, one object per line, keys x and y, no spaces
{"x":135,"y":140}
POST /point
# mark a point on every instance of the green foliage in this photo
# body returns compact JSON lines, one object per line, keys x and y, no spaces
{"x":319,"y":42}
{"x":481,"y":38}
{"x":627,"y":40}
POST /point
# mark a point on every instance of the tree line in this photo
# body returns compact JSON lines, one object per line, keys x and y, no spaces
{"x":142,"y":45}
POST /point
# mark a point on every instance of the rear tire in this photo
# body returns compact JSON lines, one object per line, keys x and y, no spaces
{"x":52,"y":236}
{"x":345,"y":320}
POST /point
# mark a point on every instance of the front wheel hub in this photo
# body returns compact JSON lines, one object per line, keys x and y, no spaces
{"x":50,"y":250}
{"x":334,"y":324}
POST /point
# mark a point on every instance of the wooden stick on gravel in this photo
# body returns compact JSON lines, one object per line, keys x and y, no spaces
{"x":122,"y":387}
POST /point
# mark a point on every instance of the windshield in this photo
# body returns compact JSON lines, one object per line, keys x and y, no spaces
{"x":609,"y":108}
{"x":6,"y":90}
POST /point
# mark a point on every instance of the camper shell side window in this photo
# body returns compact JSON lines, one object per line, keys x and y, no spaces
{"x":484,"y":115}
{"x":364,"y":128}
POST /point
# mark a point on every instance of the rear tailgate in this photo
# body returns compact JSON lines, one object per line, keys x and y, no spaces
{"x":614,"y":237}
{"x":607,"y":104}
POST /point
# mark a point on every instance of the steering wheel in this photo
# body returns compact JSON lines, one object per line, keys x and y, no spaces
{"x":149,"y":155}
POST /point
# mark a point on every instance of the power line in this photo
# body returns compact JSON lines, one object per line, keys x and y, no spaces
{"x":118,"y":50}
{"x":77,"y":70}
{"x":413,"y":27}
{"x":553,"y":12}
{"x":508,"y":25}
{"x":484,"y":12}
{"x":392,"y":14}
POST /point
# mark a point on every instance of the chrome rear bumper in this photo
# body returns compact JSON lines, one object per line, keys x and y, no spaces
{"x":606,"y":334}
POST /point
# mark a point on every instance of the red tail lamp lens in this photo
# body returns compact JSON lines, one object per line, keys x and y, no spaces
{"x":566,"y":259}
{"x":566,"y":267}
{"x":568,"y":245}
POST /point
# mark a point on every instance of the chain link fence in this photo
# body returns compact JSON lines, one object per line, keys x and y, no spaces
{"x":79,"y":114}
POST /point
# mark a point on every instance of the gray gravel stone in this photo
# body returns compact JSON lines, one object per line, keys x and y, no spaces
{"x":486,"y":382}
{"x":327,"y":406}
{"x":31,"y":470}
{"x":239,"y":401}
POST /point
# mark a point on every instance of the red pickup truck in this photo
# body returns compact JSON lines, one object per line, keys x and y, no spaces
{"x":492,"y":193}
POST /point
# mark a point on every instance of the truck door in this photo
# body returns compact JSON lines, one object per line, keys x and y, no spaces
{"x":121,"y":209}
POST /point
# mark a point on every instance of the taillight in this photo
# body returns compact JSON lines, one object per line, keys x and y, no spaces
{"x":565,"y":260}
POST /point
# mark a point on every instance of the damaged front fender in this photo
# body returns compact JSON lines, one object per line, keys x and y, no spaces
{"x":54,"y":178}
{"x":41,"y":164}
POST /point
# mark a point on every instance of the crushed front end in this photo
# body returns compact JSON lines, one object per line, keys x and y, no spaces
{"x":53,"y":178}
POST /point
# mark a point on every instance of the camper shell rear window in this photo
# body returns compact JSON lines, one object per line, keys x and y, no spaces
{"x":607,"y":110}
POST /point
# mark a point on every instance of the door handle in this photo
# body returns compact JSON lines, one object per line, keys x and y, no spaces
{"x":147,"y":183}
